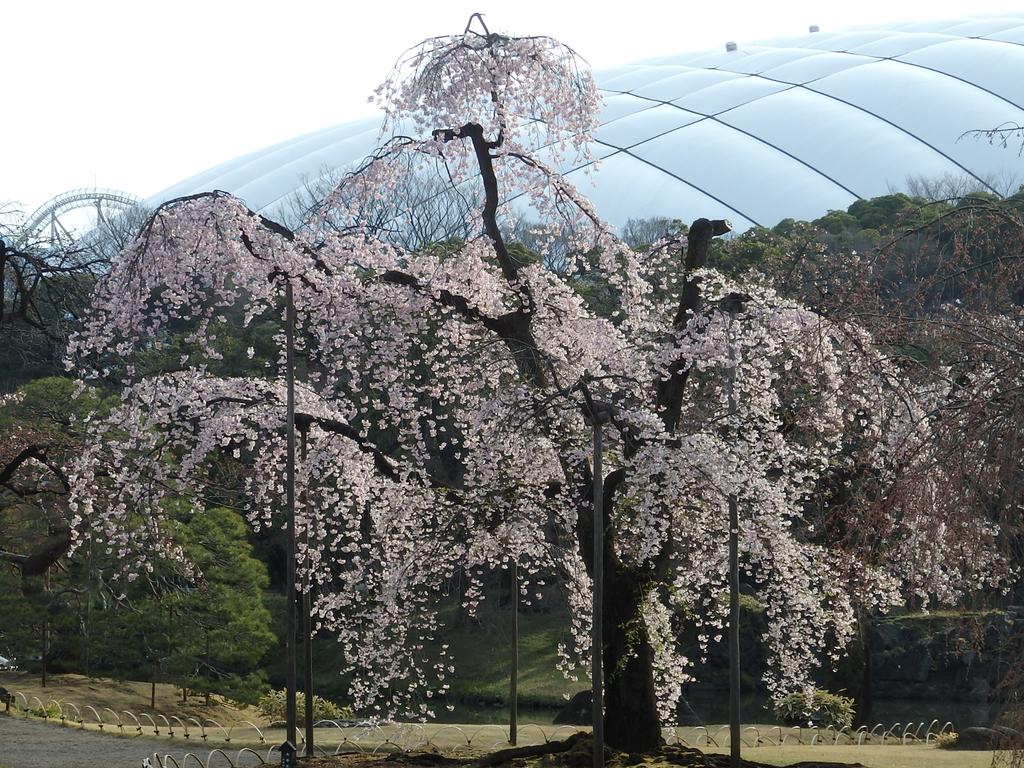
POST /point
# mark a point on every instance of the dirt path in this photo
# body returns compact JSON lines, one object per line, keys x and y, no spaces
{"x":28,"y":744}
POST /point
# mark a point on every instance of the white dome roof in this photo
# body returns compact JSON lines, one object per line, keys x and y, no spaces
{"x":789,"y":127}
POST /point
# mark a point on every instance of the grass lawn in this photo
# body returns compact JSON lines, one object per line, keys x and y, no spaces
{"x":119,"y":695}
{"x":467,"y":742}
{"x":872,"y":756}
{"x":485,"y":676}
{"x":480,"y":648}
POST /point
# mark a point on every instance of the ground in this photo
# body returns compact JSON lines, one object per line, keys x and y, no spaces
{"x":32,"y":743}
{"x":877,"y":756}
{"x":35,"y":744}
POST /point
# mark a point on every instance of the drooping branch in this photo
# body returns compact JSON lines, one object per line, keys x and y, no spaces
{"x":381,"y":462}
{"x":999,"y":136}
{"x":513,"y":328}
{"x":444,"y":297}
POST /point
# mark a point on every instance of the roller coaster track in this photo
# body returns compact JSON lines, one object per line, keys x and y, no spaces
{"x":45,"y":224}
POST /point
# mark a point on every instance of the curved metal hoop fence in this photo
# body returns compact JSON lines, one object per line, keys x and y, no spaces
{"x":256,"y":745}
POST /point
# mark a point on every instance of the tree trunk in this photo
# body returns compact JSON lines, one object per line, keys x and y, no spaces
{"x":631,"y":722}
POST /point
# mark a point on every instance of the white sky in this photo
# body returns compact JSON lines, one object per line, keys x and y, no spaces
{"x":137,"y":95}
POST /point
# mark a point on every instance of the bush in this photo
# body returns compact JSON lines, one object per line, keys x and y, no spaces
{"x":272,"y":706}
{"x":946,"y":740}
{"x":830,"y":709}
{"x":49,"y":711}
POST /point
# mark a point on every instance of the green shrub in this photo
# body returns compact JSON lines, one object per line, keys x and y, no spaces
{"x":50,"y":710}
{"x":830,"y":709}
{"x":946,"y":740}
{"x":272,"y":706}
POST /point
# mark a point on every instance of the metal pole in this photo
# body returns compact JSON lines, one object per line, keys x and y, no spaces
{"x":46,"y":623}
{"x":734,"y":583}
{"x":88,"y":609}
{"x":289,"y":325}
{"x":513,"y":694}
{"x":307,"y":609}
{"x":596,"y":642}
{"x":734,"y":635}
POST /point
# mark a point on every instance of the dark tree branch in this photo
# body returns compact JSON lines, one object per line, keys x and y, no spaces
{"x":31,"y":453}
{"x":482,"y":147}
{"x":514,"y":328}
{"x":381,"y":461}
{"x":670,"y":391}
{"x":39,"y":562}
{"x":446,"y":298}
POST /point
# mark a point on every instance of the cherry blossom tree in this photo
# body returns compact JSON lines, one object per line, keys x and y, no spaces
{"x":447,"y":392}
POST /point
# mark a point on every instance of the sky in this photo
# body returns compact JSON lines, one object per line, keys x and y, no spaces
{"x":138,"y":95}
